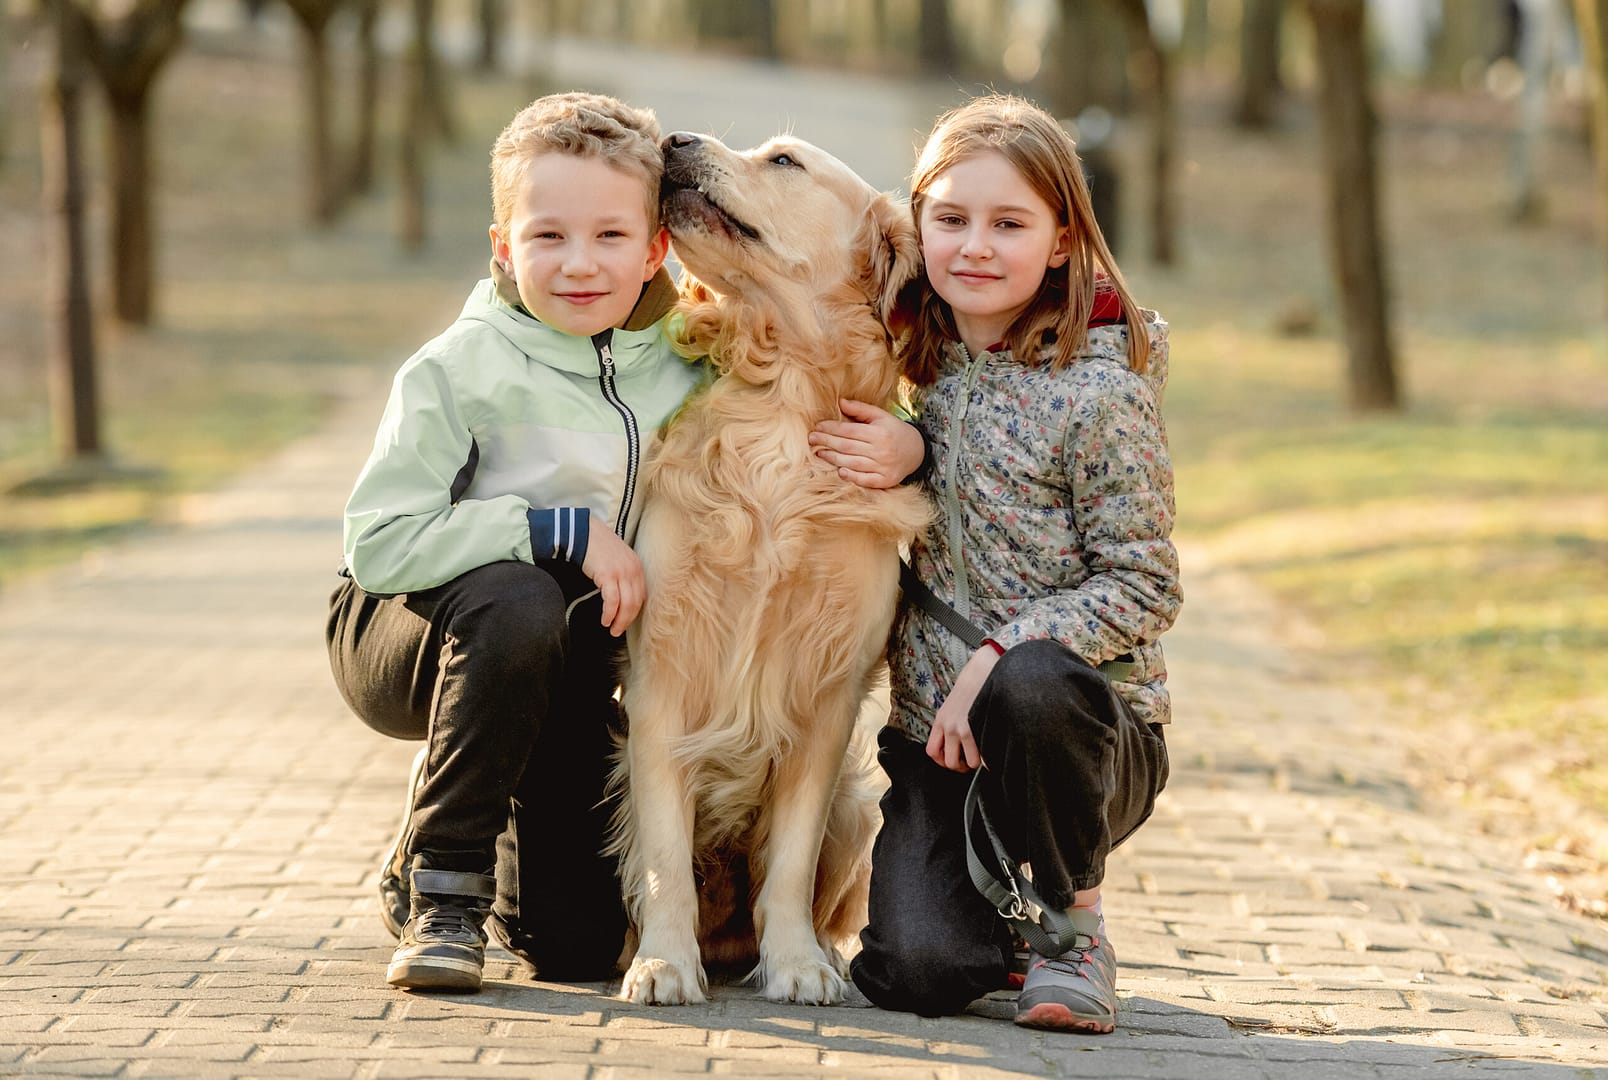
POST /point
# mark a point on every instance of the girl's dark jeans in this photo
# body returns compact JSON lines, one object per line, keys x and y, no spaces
{"x":515,"y":703}
{"x":1070,"y":774}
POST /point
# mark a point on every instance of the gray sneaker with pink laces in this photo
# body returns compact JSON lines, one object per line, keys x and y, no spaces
{"x":1076,"y":991}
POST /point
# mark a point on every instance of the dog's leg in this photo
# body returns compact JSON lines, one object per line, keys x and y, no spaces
{"x":792,"y":964}
{"x":666,"y":969}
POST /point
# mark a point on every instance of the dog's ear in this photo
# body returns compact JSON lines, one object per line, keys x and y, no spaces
{"x":894,"y":256}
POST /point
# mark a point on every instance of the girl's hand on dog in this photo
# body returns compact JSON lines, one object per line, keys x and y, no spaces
{"x":617,"y":572}
{"x":951,"y":743}
{"x":872,"y":448}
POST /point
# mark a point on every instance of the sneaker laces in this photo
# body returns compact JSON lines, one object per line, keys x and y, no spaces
{"x":447,"y":921}
{"x":1064,"y":962}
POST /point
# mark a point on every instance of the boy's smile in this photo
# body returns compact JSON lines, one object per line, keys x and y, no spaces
{"x":579,"y":244}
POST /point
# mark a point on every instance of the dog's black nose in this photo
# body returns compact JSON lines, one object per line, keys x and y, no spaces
{"x":679,"y":140}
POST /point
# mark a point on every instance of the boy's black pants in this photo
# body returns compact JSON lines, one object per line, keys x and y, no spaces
{"x":515,"y":702}
{"x":1071,"y":773}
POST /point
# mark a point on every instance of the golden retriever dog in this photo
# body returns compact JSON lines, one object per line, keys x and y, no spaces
{"x":747,"y":821}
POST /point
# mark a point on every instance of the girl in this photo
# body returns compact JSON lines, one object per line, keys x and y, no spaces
{"x":1036,"y":381}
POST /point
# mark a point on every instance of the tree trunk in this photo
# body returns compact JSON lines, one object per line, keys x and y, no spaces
{"x":1346,"y":116}
{"x":324,"y":186}
{"x":488,"y":14}
{"x":435,"y":86}
{"x":1592,"y":17}
{"x":5,"y":85}
{"x":127,"y":53}
{"x":1088,"y":65}
{"x":321,"y":202}
{"x":1536,"y":44}
{"x":1197,"y":36}
{"x":411,"y":137}
{"x":132,"y":210}
{"x":936,"y":38}
{"x":74,"y":401}
{"x":1261,"y":43}
{"x":360,"y":179}
{"x":1157,"y":74}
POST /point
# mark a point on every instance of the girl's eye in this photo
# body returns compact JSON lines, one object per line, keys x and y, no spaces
{"x":785,"y":162}
{"x":612,"y":234}
{"x":951,"y":219}
{"x":1010,"y":224}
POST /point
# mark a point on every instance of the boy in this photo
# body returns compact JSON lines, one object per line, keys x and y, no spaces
{"x":489,"y":572}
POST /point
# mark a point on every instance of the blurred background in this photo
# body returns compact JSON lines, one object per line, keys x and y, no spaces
{"x":1376,"y":229}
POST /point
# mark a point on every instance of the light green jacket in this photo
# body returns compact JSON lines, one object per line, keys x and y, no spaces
{"x":505,"y":439}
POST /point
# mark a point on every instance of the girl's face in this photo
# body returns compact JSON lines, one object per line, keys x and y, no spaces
{"x":988,"y":238}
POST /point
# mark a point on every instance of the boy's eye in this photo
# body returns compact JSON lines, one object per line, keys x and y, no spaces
{"x":785,"y":162}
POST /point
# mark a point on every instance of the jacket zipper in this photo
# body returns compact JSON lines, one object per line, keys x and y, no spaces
{"x":633,"y":437}
{"x":962,"y":597}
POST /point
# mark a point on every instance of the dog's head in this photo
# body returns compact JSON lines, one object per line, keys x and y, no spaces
{"x":786,"y":221}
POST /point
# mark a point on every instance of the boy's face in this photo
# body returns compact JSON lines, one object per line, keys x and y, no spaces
{"x":579,"y":245}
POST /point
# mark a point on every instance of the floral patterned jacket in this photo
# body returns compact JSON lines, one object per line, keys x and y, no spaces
{"x":1054,"y":493}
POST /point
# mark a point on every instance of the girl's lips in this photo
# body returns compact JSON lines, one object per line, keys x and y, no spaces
{"x":976,"y":278}
{"x":581,"y":298}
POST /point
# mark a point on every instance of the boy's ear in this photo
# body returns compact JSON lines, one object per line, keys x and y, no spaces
{"x":658,"y":249}
{"x":499,"y":249}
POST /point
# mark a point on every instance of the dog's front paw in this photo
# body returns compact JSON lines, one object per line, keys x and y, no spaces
{"x":807,"y":982}
{"x":655,"y":981}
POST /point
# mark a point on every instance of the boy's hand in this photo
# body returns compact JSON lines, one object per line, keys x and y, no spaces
{"x":617,"y":572}
{"x":951,"y":743}
{"x":872,"y":448}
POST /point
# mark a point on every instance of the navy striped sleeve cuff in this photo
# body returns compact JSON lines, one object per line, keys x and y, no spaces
{"x":559,"y":532}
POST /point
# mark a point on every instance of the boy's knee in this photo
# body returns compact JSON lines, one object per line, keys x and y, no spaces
{"x":512,"y":607}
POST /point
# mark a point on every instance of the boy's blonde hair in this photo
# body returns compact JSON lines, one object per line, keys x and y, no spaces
{"x":585,"y":125}
{"x":1041,"y":150}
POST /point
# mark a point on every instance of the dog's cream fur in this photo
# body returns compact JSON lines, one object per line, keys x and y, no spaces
{"x":750,"y":808}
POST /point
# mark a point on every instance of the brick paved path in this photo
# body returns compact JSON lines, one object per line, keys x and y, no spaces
{"x":190,"y":823}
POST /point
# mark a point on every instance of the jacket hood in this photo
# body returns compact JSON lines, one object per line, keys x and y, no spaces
{"x":1110,"y":341}
{"x":495,"y":302}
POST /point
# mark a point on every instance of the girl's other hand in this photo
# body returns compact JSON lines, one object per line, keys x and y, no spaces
{"x":872,"y":448}
{"x":951,"y":743}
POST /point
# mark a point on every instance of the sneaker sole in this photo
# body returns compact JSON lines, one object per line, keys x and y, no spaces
{"x":1052,"y":1017}
{"x":434,"y":973}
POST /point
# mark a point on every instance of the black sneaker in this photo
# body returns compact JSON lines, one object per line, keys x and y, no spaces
{"x":443,"y":945}
{"x":394,"y":900}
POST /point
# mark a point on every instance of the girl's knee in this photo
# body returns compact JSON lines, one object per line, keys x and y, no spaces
{"x":926,"y":978}
{"x":1043,"y":686}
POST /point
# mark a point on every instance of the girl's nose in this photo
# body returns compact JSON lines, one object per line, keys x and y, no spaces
{"x":975,"y":246}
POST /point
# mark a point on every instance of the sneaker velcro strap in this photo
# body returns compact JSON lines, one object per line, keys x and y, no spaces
{"x":454,"y":883}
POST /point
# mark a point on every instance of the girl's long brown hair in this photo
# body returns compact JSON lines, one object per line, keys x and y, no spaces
{"x":1042,"y":151}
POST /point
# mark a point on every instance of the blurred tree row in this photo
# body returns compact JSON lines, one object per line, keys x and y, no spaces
{"x":1083,"y":58}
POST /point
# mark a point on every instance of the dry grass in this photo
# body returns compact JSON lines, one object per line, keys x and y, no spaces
{"x":1455,"y":554}
{"x":263,"y":321}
